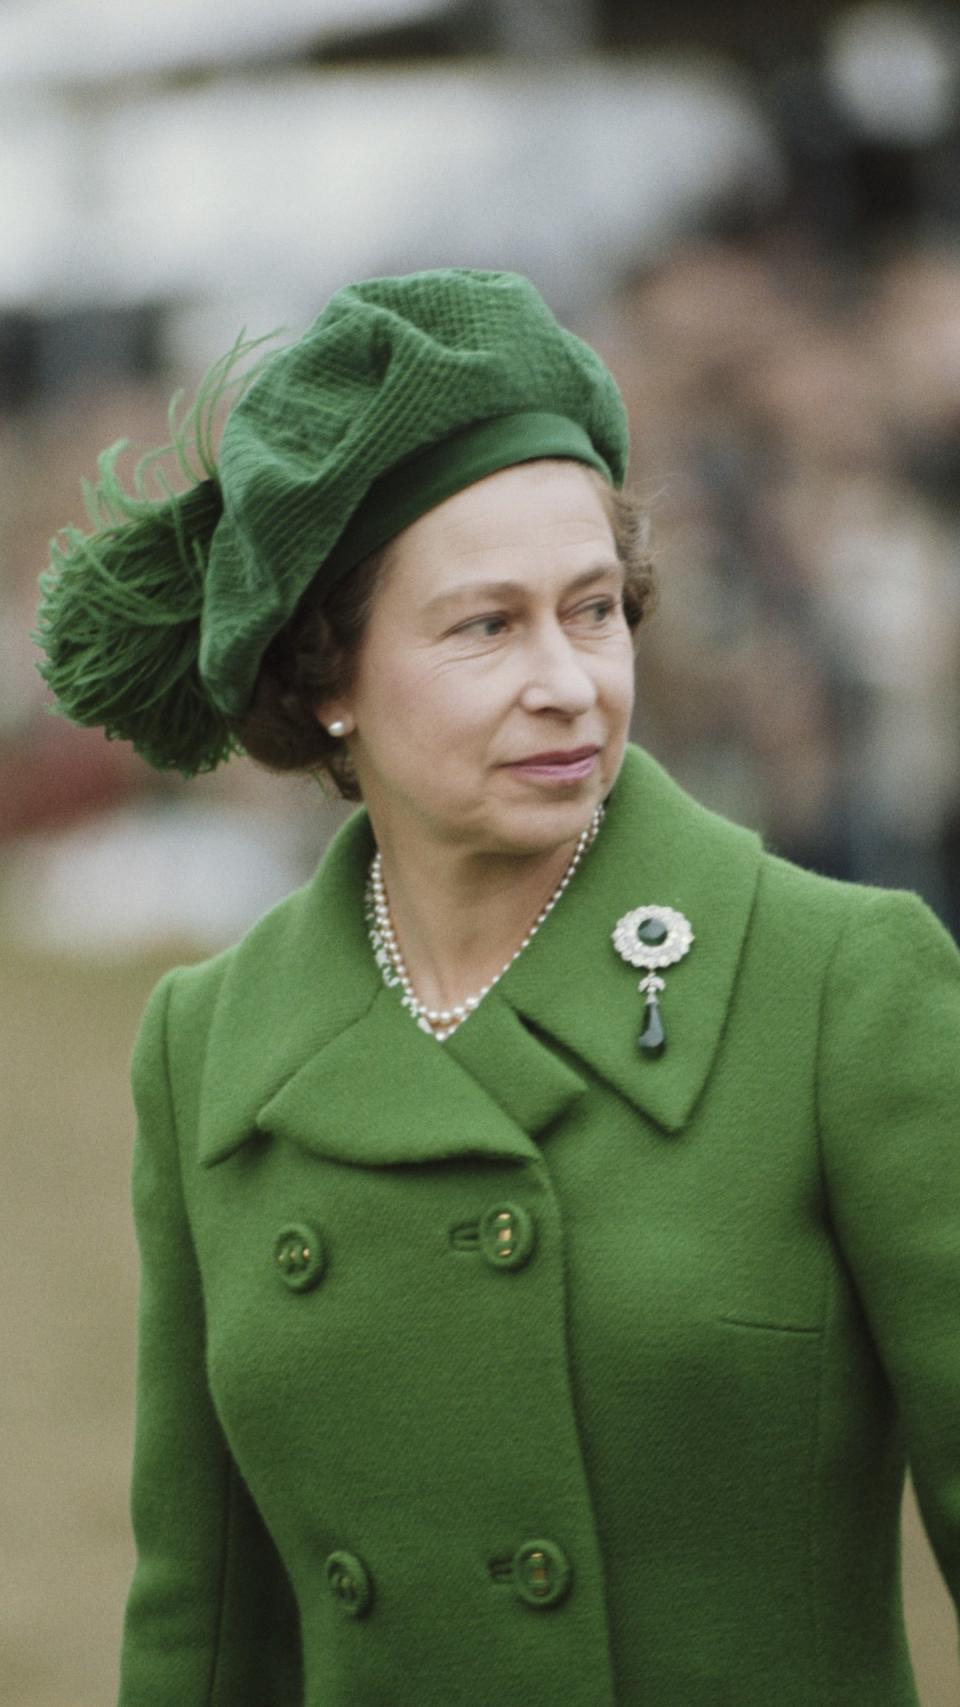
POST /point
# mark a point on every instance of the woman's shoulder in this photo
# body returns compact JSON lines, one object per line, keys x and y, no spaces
{"x":712,"y":852}
{"x":811,"y":905}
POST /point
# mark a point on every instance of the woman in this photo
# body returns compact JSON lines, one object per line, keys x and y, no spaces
{"x":508,"y":1332}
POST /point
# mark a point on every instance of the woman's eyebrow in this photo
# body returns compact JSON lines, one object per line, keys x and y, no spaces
{"x":506,"y":589}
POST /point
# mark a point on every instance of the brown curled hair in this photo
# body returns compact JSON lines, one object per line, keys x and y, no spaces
{"x":312,"y":658}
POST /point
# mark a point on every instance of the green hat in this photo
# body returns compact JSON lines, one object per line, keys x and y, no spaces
{"x":403,"y":391}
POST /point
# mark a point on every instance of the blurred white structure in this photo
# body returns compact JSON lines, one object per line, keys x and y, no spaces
{"x":83,"y":43}
{"x":896,"y":69}
{"x":266,"y":193}
{"x":137,"y":879}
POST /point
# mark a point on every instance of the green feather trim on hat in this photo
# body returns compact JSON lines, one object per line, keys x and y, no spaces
{"x":119,"y":618}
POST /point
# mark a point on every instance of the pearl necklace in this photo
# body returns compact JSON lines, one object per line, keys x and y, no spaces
{"x":442,"y":1022}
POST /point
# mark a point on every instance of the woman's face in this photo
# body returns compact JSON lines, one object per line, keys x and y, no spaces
{"x":494,"y":684}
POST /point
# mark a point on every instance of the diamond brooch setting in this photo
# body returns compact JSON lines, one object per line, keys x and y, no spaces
{"x":652,"y":938}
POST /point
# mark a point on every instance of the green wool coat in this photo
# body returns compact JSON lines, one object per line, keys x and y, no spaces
{"x":525,"y":1368}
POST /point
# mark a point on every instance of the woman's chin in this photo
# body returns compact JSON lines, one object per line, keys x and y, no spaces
{"x":542,"y":827}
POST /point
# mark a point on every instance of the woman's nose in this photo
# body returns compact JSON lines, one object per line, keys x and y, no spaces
{"x":557,"y":677}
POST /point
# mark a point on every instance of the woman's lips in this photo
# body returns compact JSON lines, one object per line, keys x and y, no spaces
{"x":559,"y":767}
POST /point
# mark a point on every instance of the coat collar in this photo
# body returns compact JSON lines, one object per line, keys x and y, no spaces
{"x":308,"y":1045}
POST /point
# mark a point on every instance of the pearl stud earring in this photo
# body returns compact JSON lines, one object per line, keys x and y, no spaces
{"x":337,"y":728}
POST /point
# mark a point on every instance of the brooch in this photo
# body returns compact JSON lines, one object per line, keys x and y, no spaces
{"x":652,"y":937}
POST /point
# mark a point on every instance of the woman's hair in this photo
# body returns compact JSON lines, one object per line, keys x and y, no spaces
{"x":312,"y":658}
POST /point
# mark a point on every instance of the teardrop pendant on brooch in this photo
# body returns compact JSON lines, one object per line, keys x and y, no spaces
{"x":653,"y":1038}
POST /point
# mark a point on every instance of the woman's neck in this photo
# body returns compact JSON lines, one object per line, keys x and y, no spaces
{"x":459,"y":916}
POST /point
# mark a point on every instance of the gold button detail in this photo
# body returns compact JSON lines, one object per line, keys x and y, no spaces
{"x":541,"y":1572}
{"x":300,"y":1256}
{"x":507,"y":1235}
{"x":349,"y":1582}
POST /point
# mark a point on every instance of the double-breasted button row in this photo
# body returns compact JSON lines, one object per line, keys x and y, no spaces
{"x":540,"y":1571}
{"x":505,"y":1236}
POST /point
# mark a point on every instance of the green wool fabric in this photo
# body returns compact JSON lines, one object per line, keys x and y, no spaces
{"x":404,"y":390}
{"x":727,"y":1321}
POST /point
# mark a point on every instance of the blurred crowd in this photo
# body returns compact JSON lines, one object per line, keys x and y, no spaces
{"x":798,"y":442}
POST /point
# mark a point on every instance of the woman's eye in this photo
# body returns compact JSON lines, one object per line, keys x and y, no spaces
{"x":487,"y":627}
{"x":594,"y":614}
{"x":598,"y":610}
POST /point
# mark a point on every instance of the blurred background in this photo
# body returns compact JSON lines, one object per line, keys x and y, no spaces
{"x":753,"y":213}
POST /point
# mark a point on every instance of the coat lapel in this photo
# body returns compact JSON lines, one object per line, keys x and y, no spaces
{"x":308,"y":1045}
{"x":385,"y":1092}
{"x":299,"y":979}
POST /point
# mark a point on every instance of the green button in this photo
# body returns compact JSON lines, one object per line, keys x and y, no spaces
{"x":541,"y":1572}
{"x":349,"y":1582}
{"x":299,"y":1255}
{"x":507,"y":1235}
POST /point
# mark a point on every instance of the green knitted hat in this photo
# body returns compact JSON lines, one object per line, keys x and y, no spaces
{"x":403,"y":391}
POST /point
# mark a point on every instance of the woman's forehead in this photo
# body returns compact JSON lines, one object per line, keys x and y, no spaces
{"x":516,"y":507}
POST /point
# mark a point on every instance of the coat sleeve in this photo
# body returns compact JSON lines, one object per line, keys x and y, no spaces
{"x":890,"y":1129}
{"x":210,"y":1619}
